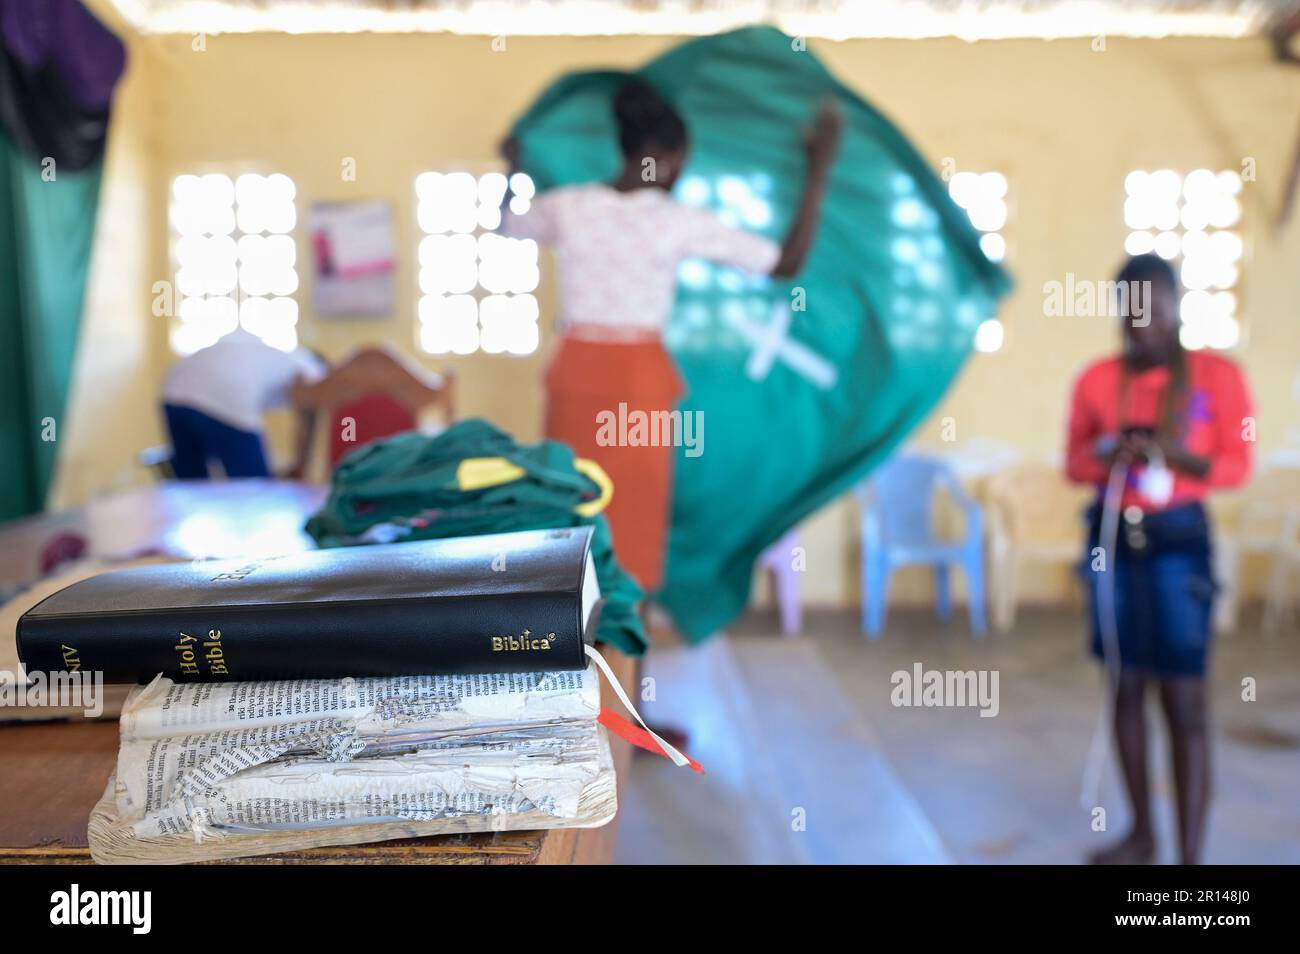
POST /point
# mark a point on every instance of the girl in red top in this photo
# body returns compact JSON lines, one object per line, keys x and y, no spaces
{"x":1183,"y":424}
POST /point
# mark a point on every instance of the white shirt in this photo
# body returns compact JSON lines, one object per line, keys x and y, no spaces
{"x":617,"y":253}
{"x":238,"y":379}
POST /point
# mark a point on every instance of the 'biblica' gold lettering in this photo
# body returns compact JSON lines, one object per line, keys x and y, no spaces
{"x":524,"y":641}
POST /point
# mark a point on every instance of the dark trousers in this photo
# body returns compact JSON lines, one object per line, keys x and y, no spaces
{"x":198,"y":438}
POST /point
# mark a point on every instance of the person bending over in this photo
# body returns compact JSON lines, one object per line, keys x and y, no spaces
{"x":214,"y":401}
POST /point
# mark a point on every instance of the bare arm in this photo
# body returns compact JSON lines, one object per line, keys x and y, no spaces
{"x":821,"y":143}
{"x":304,"y":434}
{"x":304,"y":438}
{"x":1178,"y":457}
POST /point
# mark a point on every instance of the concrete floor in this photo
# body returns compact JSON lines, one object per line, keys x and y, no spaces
{"x":809,"y":761}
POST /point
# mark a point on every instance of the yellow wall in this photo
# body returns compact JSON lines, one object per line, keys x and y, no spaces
{"x":398,"y":106}
{"x":1063,"y":122}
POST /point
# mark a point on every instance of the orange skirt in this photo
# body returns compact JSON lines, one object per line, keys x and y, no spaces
{"x":592,"y":386}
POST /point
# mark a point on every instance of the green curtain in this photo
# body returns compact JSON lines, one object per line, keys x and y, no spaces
{"x":47,"y":225}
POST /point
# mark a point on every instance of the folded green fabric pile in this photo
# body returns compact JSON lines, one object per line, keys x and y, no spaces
{"x":407,"y":488}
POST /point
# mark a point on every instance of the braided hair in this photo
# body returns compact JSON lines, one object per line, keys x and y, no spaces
{"x":646,"y":120}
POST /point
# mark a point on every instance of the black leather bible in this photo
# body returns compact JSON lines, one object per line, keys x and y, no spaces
{"x":509,"y":602}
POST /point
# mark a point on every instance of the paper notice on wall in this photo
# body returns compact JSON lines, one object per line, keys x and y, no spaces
{"x":354,"y":256}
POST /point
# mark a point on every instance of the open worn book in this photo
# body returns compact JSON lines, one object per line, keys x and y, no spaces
{"x":224,"y":770}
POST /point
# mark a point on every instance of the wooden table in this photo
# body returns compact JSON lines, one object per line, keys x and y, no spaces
{"x":52,"y":773}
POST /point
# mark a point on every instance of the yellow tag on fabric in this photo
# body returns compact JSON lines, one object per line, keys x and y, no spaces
{"x":475,"y":473}
{"x":594,"y":472}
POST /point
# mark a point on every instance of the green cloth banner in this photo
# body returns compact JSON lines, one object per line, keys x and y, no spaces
{"x":47,"y":226}
{"x":803,"y":386}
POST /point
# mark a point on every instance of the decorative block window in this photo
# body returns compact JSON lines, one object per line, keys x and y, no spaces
{"x":476,"y":285}
{"x":235,"y":257}
{"x":722,"y":308}
{"x":984,"y":197}
{"x":1189,"y":220}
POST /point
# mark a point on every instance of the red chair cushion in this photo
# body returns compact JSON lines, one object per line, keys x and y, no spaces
{"x":375,"y":415}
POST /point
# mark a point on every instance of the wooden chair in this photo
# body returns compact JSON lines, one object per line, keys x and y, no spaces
{"x":372,"y":394}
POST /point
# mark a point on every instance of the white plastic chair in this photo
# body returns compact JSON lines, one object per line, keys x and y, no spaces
{"x":1262,"y":521}
{"x":1035,"y":516}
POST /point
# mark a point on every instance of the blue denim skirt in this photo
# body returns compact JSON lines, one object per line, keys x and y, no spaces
{"x":1164,"y":589}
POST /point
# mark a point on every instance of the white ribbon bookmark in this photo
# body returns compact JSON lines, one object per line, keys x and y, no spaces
{"x":599,"y":660}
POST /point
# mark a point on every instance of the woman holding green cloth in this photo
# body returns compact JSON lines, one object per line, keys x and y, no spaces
{"x":618,"y":246}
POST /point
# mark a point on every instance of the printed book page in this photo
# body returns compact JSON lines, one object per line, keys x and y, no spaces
{"x":166,"y":787}
{"x":205,"y":770}
{"x":375,"y":705}
{"x":114,"y":842}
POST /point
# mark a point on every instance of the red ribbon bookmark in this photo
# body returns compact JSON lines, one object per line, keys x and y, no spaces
{"x":638,"y":736}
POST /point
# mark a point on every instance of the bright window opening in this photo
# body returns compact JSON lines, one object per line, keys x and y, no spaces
{"x":984,"y":197}
{"x":476,"y":285}
{"x":235,"y":258}
{"x":719,"y":307}
{"x":1190,"y":221}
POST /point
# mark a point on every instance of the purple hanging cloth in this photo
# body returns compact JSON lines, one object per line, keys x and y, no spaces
{"x":58,"y":68}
